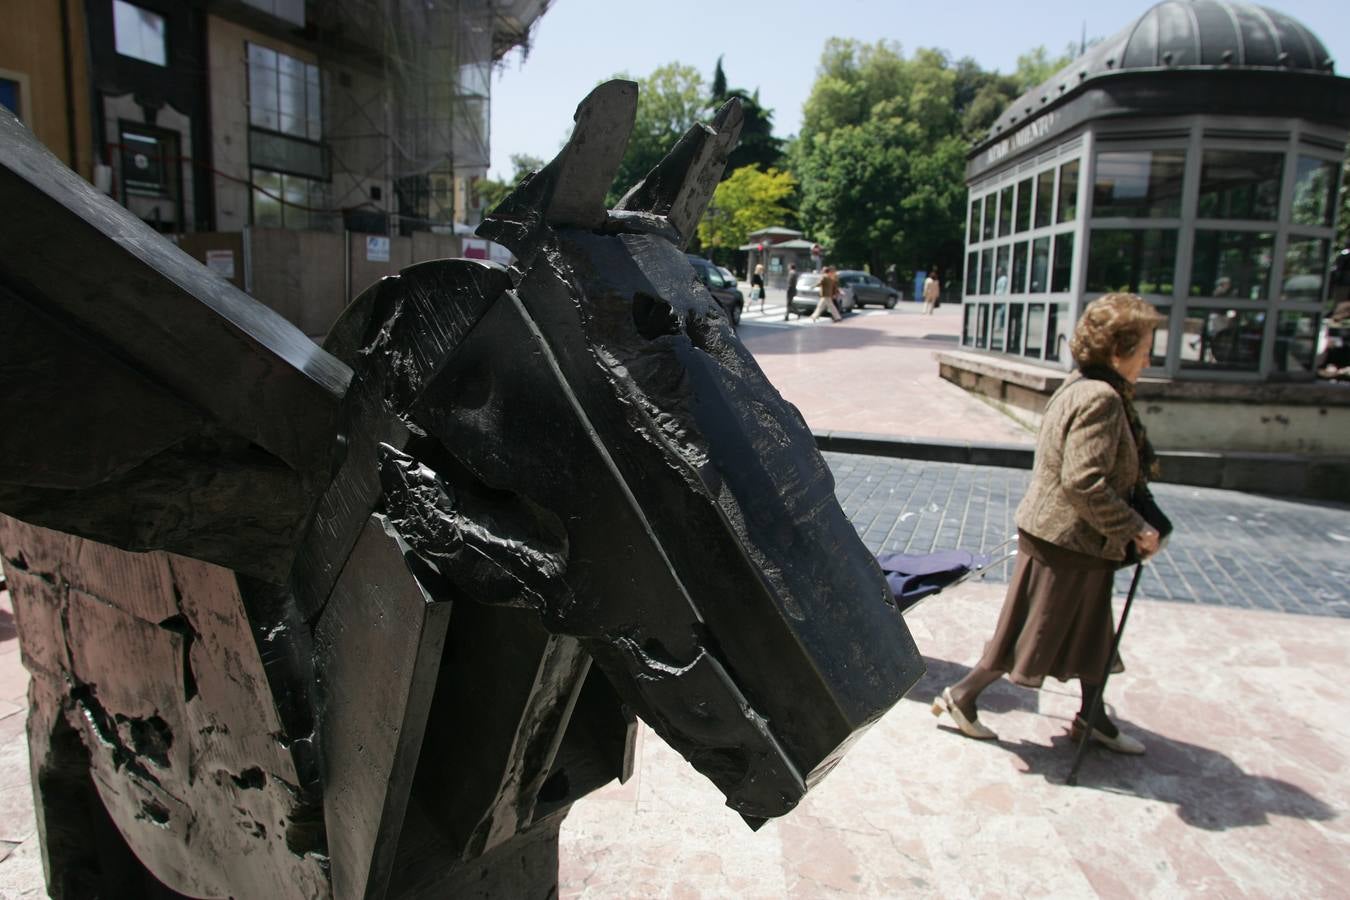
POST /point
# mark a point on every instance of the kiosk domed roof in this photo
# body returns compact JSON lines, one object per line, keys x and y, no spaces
{"x":1219,"y":32}
{"x":1185,"y":34}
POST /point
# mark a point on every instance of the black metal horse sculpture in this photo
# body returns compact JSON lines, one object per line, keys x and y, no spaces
{"x":364,"y":621}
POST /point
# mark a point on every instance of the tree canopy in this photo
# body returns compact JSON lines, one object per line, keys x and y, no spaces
{"x":881,"y":154}
{"x":748,"y":200}
{"x":758,"y":146}
{"x":670,"y":100}
{"x":492,"y":192}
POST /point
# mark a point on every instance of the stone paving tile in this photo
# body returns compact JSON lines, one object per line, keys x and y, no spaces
{"x":1229,"y":549}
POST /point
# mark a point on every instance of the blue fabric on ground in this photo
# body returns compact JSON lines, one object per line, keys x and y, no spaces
{"x":915,"y":576}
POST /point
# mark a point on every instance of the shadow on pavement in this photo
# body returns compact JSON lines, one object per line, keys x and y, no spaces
{"x":817,"y":338}
{"x":1209,"y":790}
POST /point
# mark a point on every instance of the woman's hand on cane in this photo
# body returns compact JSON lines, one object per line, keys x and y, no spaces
{"x":1146,"y":542}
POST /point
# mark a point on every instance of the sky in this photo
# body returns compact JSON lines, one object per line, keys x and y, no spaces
{"x":775,"y":46}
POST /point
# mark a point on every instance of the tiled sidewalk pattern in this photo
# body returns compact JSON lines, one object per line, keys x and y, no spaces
{"x":1229,"y":549}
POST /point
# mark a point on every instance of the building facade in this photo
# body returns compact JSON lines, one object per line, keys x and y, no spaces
{"x":1193,"y":158}
{"x":300,"y":149}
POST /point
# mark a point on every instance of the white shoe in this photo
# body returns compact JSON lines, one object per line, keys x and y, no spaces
{"x":1121,"y":743}
{"x":969,"y":727}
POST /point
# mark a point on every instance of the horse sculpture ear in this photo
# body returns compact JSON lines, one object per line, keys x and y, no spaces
{"x":570,"y":190}
{"x":681,"y":185}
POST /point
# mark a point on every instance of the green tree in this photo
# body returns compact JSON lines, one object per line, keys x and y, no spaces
{"x":982,"y":96}
{"x":492,"y":192}
{"x":1036,"y":66}
{"x":881,"y":157}
{"x":748,"y":200}
{"x":881,"y":154}
{"x":670,"y":100}
{"x":757,"y":145}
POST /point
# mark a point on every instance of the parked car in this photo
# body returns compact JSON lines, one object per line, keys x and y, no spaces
{"x":722,"y":288}
{"x":726,"y":273}
{"x":868,"y":289}
{"x":808,"y":295}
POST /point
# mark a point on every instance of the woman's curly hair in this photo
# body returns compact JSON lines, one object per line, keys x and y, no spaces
{"x":1112,"y":326}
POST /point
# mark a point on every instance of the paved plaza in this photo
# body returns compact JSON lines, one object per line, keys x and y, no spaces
{"x":1235,"y":678}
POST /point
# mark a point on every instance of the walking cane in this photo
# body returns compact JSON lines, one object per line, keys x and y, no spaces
{"x":1101,"y":689}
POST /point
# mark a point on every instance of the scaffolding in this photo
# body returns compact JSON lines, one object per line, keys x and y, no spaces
{"x":409,"y":111}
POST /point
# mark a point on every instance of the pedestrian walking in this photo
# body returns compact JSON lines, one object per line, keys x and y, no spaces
{"x":829,"y":288}
{"x":932,"y":289}
{"x":757,"y":286}
{"x":791,"y":289}
{"x":1074,"y":525}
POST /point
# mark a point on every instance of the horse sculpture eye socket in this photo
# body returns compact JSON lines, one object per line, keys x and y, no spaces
{"x":653,"y":317}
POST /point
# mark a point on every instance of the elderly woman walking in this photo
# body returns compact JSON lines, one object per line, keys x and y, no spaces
{"x":1074,"y":524}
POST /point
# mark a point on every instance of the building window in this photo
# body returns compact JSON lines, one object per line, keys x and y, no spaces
{"x":1142,"y":184}
{"x":1305,"y":269}
{"x":972,"y":272}
{"x":1315,"y":183}
{"x":1015,"y":328}
{"x":1040,"y":265}
{"x":1005,"y":211}
{"x":1068,"y":192}
{"x":1024,"y":205}
{"x":974,"y":231}
{"x":1057,"y":316}
{"x":284,"y":94}
{"x":1045,"y":197}
{"x":1140,"y":261}
{"x":1035,"y":329}
{"x":999,"y":326}
{"x":982,"y":326}
{"x":1232,"y":264}
{"x":288,"y":201}
{"x":138,"y":33}
{"x":990,"y":211}
{"x":1157,"y":354}
{"x":1236,"y":184}
{"x":1060,"y":276}
{"x":1001,"y":270}
{"x":968,"y":331}
{"x":1222,"y":339}
{"x":1019,"y":268}
{"x":986,"y":270}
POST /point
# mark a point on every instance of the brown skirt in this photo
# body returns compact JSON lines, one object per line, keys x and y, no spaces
{"x":1056,"y":617}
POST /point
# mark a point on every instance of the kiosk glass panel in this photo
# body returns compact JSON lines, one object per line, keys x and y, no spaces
{"x":1232,"y":264}
{"x":1141,"y":261}
{"x":1295,"y":342}
{"x":1240,"y":184}
{"x":1315,"y":184}
{"x":1305,"y":270}
{"x":1045,"y":197}
{"x":1019,"y":268}
{"x":1222,"y":339}
{"x":1023,"y":205}
{"x":1144,"y":184}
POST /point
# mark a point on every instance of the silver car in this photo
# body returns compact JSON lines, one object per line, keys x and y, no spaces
{"x":808,"y":295}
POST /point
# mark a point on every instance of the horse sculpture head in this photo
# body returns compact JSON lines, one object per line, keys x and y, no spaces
{"x":555,"y":496}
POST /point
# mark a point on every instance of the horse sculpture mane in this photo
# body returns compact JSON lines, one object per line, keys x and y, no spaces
{"x":365,"y":620}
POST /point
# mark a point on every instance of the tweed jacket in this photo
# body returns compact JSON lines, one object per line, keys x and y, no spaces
{"x":1086,"y":466}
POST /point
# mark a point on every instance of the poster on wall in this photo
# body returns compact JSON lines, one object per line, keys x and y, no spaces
{"x":377,"y":248}
{"x":221,"y":262}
